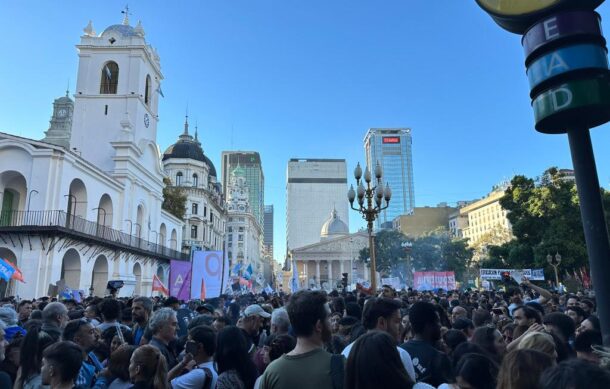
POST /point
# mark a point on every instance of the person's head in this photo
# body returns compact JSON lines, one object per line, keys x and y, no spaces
{"x":280,"y":322}
{"x":163,"y":324}
{"x":232,"y":354}
{"x":560,"y":324}
{"x":490,"y":340}
{"x":540,"y":341}
{"x":309,"y":315}
{"x":335,"y":318}
{"x":525,"y":315}
{"x":118,"y":364}
{"x":465,"y":325}
{"x":61,"y":363}
{"x":91,"y":312}
{"x":110,"y":309}
{"x":374,"y":362}
{"x":458,"y":312}
{"x":584,"y":343}
{"x":34,"y":343}
{"x":141,"y":308}
{"x":577,"y":314}
{"x":572,"y":302}
{"x":201,"y":343}
{"x":112,"y":339}
{"x":81,"y":332}
{"x":3,"y":341}
{"x":575,"y":374}
{"x":476,"y":371}
{"x":454,"y":338}
{"x":148,"y":365}
{"x":588,"y":306}
{"x":279,"y":345}
{"x":353,"y":309}
{"x":590,"y":323}
{"x":382,"y":314}
{"x":24,"y":309}
{"x":253,"y":319}
{"x":172,"y":302}
{"x":481,"y":317}
{"x":388,"y":292}
{"x":56,"y":314}
{"x":522,"y":369}
{"x":425,"y":321}
{"x":220,"y":322}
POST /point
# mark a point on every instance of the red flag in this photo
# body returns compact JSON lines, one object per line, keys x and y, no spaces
{"x":17,"y":274}
{"x":158,"y":286}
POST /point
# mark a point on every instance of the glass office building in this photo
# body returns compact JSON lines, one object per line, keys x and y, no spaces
{"x":250,"y":163}
{"x":391,"y":147}
{"x":268,"y":231}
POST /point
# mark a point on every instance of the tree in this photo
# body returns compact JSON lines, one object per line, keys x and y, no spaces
{"x":390,"y":256}
{"x":545,"y":218}
{"x":174,"y":199}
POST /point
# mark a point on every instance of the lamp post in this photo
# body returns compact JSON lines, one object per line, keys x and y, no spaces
{"x":139,"y":232}
{"x":554,"y":261}
{"x":374,"y":194}
{"x":156,"y":239}
{"x":71,"y":202}
{"x":98,"y":214}
{"x":30,"y":199}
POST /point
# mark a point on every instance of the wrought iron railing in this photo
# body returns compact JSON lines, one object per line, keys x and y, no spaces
{"x":60,"y":219}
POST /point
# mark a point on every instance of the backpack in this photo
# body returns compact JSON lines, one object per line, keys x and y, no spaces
{"x":337,"y":370}
{"x":207,"y":384}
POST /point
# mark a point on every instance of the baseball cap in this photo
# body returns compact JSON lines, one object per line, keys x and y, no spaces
{"x":257,"y":310}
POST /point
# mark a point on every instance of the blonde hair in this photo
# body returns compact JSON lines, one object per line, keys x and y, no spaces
{"x":539,"y":341}
{"x":152,"y":366}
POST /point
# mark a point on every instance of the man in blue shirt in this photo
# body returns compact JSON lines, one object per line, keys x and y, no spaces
{"x":82,"y":333}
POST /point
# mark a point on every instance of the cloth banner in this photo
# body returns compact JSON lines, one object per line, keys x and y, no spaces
{"x":430,"y":280}
{"x":6,"y":270}
{"x":206,"y":280}
{"x":294,"y":279}
{"x":180,"y":280}
{"x":394,"y":282}
{"x":518,"y":274}
{"x":158,"y":286}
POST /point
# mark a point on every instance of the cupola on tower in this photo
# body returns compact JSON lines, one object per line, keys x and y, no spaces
{"x":117,"y":93}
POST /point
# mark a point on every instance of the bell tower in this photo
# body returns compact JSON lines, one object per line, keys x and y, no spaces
{"x":117,"y":95}
{"x":61,"y":122}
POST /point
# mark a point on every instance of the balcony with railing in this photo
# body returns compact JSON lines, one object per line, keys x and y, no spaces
{"x":60,"y":222}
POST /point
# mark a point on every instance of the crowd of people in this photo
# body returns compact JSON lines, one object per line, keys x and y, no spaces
{"x":523,"y":337}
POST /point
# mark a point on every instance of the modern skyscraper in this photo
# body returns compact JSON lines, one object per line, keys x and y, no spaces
{"x":391,"y":147}
{"x":250,"y":163}
{"x":314,"y":187}
{"x":268,"y":231}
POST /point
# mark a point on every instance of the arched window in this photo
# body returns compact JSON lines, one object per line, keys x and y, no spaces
{"x":110,"y":78}
{"x":178,"y":178}
{"x":147,"y":94}
{"x":195,"y":180}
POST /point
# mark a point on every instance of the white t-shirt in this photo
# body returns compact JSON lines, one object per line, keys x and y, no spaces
{"x":404,"y":357}
{"x":195,"y":378}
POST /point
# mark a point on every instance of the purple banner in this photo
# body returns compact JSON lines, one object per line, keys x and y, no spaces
{"x":180,"y":280}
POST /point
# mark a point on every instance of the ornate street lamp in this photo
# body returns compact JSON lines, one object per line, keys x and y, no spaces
{"x":374,"y":194}
{"x":554,"y":261}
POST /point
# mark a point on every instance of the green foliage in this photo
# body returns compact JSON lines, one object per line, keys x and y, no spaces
{"x":389,"y":254}
{"x":174,"y":199}
{"x":545,"y":218}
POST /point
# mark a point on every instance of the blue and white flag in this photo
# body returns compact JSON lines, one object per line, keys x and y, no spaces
{"x":269,"y":289}
{"x":6,"y":270}
{"x":236,"y":269}
{"x":294,"y":280}
{"x":248,"y":272}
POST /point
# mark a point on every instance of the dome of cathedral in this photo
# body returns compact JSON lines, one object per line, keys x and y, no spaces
{"x":123,"y":29}
{"x":187,"y":148}
{"x":333,"y":226}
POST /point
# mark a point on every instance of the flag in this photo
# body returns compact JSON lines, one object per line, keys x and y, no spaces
{"x":6,"y":270}
{"x":269,"y":289}
{"x":260,"y":280}
{"x":108,"y":73}
{"x":157,"y":286}
{"x":294,"y":280}
{"x":159,"y":91}
{"x":17,"y":275}
{"x":236,"y":269}
{"x":248,"y":272}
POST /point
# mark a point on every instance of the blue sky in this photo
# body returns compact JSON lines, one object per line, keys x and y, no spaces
{"x":304,"y":79}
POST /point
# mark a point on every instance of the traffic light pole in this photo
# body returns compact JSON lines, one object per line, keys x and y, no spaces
{"x":594,"y":223}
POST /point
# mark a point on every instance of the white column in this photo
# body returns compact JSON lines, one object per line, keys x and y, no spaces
{"x":318,"y":272}
{"x":330,"y":274}
{"x":305,"y":273}
{"x":341,"y":262}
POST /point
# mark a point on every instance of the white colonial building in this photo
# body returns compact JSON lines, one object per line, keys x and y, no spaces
{"x":321,"y":265}
{"x":83,"y":206}
{"x":191,"y":170}
{"x":244,"y":233}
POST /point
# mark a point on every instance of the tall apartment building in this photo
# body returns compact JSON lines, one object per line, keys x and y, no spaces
{"x":314,"y":187}
{"x":250,"y":164}
{"x":391,"y":147}
{"x":268,"y":231}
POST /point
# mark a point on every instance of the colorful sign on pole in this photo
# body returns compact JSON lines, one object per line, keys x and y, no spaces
{"x":207,"y":274}
{"x":180,"y":280}
{"x":431,"y":280}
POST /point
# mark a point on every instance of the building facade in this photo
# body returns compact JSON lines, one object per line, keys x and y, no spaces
{"x":84,"y":206}
{"x":251,"y":165}
{"x":191,"y":170}
{"x":268,"y":232}
{"x":313,"y":187}
{"x":487,"y":218}
{"x":391,"y":148}
{"x":244,"y":233}
{"x":423,"y":220}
